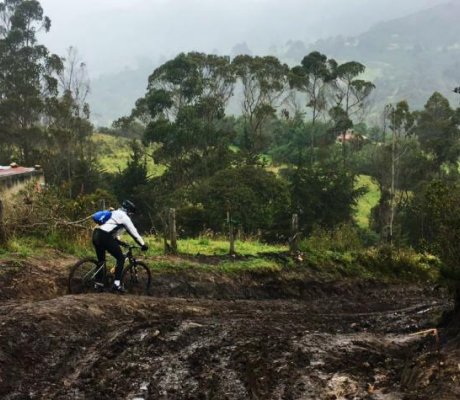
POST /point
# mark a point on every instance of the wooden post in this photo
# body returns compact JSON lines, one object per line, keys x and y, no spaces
{"x":172,"y":230}
{"x":2,"y":226}
{"x":294,"y":239}
{"x":231,"y":234}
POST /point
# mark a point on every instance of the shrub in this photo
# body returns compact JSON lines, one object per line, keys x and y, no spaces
{"x":343,"y":238}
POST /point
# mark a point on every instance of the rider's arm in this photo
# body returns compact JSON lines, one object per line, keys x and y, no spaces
{"x":131,"y":229}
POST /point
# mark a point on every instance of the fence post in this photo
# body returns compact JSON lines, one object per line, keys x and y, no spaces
{"x":172,"y":230}
{"x":231,"y":234}
{"x":2,"y":226}
{"x":294,"y":239}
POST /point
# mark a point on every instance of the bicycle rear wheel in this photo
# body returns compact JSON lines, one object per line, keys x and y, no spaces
{"x":82,"y":276}
{"x":137,"y":278}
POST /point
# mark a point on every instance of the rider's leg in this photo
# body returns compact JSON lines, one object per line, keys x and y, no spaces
{"x":115,"y":250}
{"x":99,"y":246}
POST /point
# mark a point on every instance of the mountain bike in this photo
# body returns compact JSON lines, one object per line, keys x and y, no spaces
{"x":136,"y":276}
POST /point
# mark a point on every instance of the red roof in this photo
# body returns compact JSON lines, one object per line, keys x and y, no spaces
{"x":9,"y":171}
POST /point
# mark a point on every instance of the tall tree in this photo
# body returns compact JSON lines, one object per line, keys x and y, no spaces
{"x":402,"y":123}
{"x":438,"y":131}
{"x":265,"y":82}
{"x":350,"y":92}
{"x":69,"y":127}
{"x":182,"y":112}
{"x":27,"y":75}
{"x":312,"y":77}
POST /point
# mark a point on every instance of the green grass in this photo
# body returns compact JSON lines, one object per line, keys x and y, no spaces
{"x":211,"y":256}
{"x":367,"y":201}
{"x":207,"y":246}
{"x":115,"y":153}
{"x":191,"y":247}
{"x":226,"y":266}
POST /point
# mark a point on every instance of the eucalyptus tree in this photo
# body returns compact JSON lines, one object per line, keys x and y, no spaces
{"x":67,"y":121}
{"x":182,"y":110}
{"x":27,"y":75}
{"x":265,"y":82}
{"x":438,"y":131}
{"x":351,"y":93}
{"x":313,"y":77}
{"x":402,"y":124}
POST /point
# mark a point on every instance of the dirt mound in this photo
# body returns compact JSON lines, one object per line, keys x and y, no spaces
{"x":279,"y":337}
{"x":34,"y":278}
{"x":112,"y":347}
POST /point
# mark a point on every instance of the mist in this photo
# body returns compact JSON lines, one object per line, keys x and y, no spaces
{"x":112,"y":35}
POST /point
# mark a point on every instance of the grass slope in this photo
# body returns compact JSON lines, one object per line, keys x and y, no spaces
{"x":367,"y":201}
{"x":115,"y":153}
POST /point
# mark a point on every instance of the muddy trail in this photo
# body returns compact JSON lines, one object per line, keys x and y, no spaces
{"x":277,"y":338}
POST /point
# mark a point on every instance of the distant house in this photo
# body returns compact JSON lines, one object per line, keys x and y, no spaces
{"x":352,"y":137}
{"x":13,"y":177}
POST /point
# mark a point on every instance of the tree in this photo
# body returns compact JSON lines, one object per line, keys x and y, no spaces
{"x":433,"y":219}
{"x":293,"y":139}
{"x":182,"y":110}
{"x":438,"y":132}
{"x":69,"y":128}
{"x":322,"y":195}
{"x":27,"y":75}
{"x":134,"y":175}
{"x":399,"y":167}
{"x":74,"y":80}
{"x":264,"y":81}
{"x":402,"y":122}
{"x":254,"y":198}
{"x":313,"y":76}
{"x":350,"y":92}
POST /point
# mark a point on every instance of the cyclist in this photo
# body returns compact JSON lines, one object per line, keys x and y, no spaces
{"x":106,"y":238}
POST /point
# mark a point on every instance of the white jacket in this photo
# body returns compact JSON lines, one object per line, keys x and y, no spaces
{"x":120,"y":222}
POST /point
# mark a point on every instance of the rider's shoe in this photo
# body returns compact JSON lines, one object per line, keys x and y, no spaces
{"x":118,"y":289}
{"x":99,"y":287}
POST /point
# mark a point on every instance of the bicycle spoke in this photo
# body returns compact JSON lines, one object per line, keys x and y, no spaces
{"x":136,"y":278}
{"x":82,"y":276}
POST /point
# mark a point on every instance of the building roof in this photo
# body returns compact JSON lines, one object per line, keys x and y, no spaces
{"x":12,"y":171}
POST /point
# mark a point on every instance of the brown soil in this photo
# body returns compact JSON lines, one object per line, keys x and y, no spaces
{"x":247,"y":337}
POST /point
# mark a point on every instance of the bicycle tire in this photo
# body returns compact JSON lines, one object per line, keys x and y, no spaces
{"x":137,"y":278}
{"x":81,"y":276}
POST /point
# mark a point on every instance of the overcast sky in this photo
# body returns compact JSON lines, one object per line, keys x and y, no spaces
{"x":113,"y":34}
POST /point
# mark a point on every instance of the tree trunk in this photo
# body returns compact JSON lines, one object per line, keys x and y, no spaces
{"x":2,"y":226}
{"x":172,"y":230}
{"x":294,"y":239}
{"x":231,"y":235}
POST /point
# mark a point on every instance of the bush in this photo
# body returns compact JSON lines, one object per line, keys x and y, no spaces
{"x":255,"y":198}
{"x":343,"y":238}
{"x":405,"y":264}
{"x":50,"y":213}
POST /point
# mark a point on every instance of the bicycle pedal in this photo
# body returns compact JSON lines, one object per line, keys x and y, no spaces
{"x":118,"y":289}
{"x":99,"y":287}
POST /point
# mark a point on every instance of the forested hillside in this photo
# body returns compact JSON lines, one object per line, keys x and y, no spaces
{"x":407,"y":58}
{"x":410,"y":57}
{"x":315,"y":254}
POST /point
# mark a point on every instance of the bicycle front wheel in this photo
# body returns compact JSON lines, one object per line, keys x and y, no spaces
{"x":137,"y":278}
{"x":82,"y":276}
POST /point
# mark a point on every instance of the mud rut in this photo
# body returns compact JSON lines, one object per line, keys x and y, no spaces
{"x":330,"y":346}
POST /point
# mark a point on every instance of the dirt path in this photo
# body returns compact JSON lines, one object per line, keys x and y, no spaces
{"x":328,"y":341}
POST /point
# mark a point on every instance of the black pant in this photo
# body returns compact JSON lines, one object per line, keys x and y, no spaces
{"x":103,"y":241}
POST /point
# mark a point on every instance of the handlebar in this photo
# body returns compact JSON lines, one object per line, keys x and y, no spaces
{"x":127,"y":245}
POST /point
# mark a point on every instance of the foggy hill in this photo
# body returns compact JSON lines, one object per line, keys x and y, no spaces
{"x":407,"y":58}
